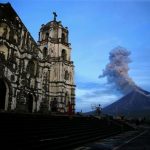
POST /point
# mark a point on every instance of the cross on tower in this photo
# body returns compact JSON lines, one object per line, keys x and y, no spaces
{"x":55,"y":15}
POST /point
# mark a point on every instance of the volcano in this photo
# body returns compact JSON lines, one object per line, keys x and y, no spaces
{"x":134,"y":104}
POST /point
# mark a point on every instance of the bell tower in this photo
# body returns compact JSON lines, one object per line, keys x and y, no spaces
{"x":56,"y":51}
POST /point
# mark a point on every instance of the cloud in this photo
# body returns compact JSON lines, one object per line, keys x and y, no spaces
{"x":94,"y":93}
{"x":117,"y":70}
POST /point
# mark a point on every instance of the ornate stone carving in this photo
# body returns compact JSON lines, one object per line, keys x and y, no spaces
{"x":19,"y":36}
{"x":11,"y":62}
{"x":12,"y":78}
{"x":23,"y":40}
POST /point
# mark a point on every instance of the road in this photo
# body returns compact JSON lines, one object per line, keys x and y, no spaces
{"x":140,"y":142}
{"x":133,"y":140}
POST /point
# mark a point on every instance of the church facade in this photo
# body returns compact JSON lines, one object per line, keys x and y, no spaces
{"x":35,"y":76}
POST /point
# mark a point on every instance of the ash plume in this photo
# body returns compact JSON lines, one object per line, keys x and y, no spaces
{"x":117,"y":69}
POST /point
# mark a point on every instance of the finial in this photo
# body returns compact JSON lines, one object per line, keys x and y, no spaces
{"x":55,"y":15}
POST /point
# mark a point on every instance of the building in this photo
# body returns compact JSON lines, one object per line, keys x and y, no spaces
{"x":34,"y":76}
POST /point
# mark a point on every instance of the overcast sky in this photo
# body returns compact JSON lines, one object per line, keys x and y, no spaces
{"x":96,"y":27}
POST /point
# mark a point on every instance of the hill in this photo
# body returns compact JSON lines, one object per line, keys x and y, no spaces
{"x":134,"y":104}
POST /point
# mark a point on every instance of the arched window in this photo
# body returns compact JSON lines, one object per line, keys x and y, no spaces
{"x":66,"y":75}
{"x":63,"y":38}
{"x":44,"y":52}
{"x":64,"y":54}
{"x":72,"y":91}
{"x":2,"y":57}
{"x":31,"y":68}
{"x":66,"y":98}
{"x":47,"y":35}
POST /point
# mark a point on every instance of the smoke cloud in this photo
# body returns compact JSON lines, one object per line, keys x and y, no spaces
{"x":117,"y":69}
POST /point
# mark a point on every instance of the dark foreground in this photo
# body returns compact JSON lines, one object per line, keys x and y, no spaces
{"x":45,"y":132}
{"x":141,"y":142}
{"x":131,"y":140}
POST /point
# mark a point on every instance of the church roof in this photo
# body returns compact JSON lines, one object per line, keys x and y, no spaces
{"x":53,"y":23}
{"x":8,"y":14}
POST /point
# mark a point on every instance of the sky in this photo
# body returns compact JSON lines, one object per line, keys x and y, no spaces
{"x":95,"y":28}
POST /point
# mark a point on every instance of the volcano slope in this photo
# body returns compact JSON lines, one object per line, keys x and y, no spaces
{"x":134,"y":104}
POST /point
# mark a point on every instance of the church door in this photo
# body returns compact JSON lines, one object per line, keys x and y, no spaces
{"x":2,"y":94}
{"x":54,"y":105}
{"x":30,"y":103}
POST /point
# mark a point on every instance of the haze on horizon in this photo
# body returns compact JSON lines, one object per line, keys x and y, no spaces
{"x":95,"y":28}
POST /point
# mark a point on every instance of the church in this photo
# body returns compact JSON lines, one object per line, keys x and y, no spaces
{"x":35,"y":76}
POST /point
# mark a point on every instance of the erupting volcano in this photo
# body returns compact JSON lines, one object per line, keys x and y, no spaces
{"x":136,"y":101}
